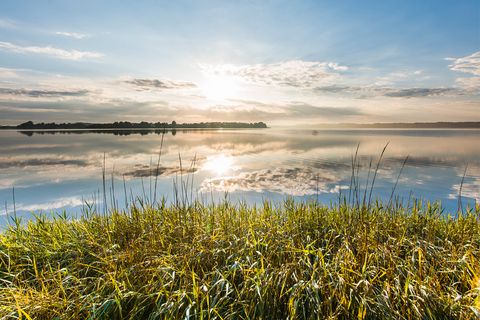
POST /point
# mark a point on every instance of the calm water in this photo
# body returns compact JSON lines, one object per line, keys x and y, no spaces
{"x":62,"y":170}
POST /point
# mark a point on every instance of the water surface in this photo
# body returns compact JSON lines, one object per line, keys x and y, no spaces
{"x":52,"y":171}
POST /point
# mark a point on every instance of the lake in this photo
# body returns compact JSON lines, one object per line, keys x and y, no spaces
{"x":52,"y":171}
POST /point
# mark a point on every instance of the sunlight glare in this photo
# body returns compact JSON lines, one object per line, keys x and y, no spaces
{"x":219,"y":164}
{"x":220,"y":87}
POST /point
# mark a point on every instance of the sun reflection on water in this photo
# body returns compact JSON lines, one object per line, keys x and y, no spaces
{"x":219,"y":164}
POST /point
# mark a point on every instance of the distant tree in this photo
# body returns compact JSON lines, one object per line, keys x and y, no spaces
{"x":26,"y":125}
{"x":29,"y":125}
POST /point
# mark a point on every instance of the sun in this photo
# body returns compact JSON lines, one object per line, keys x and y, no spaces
{"x":220,"y":87}
{"x":219,"y":164}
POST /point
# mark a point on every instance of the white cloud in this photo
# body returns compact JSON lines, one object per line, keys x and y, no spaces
{"x":469,"y":64}
{"x":471,"y":184}
{"x":50,"y":51}
{"x":75,"y":35}
{"x":469,"y":84}
{"x":469,"y":190}
{"x":401,"y":77}
{"x":292,"y":181}
{"x":293,"y":73}
{"x":52,"y":205}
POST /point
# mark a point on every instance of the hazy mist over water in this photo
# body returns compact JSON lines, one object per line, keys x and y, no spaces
{"x":54,"y":171}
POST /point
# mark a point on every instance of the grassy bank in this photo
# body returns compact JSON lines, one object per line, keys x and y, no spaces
{"x":290,"y":260}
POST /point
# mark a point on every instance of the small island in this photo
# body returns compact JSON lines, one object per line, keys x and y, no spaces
{"x":30,"y":125}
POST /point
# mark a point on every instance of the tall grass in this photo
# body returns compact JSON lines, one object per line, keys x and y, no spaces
{"x":225,"y":261}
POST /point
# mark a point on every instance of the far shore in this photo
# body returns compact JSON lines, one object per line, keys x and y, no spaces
{"x":146,"y":126}
{"x":400,"y":125}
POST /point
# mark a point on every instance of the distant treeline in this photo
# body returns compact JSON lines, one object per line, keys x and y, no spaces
{"x":115,"y":132}
{"x":29,"y":125}
{"x":404,"y":125}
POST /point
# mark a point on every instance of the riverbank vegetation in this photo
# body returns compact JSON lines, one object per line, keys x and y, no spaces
{"x":233,"y":261}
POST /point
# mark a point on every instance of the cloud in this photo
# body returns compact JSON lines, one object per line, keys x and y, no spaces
{"x":471,"y":183}
{"x":402,"y":77}
{"x":469,"y":64}
{"x":374,"y":91}
{"x":293,"y":73}
{"x":5,"y":164}
{"x":428,"y":162}
{"x":52,"y":205}
{"x":469,"y":84}
{"x":355,"y":91}
{"x":306,"y":110}
{"x":75,"y":35}
{"x":50,"y":51}
{"x":335,"y":89}
{"x":419,"y":92}
{"x":469,"y":190}
{"x":143,"y":171}
{"x":83,"y":110}
{"x":43,"y":93}
{"x":89,"y":107}
{"x":146,"y":84}
{"x":248,"y":110}
{"x":296,"y":181}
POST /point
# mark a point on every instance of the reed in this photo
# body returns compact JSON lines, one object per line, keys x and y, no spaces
{"x":295,"y":260}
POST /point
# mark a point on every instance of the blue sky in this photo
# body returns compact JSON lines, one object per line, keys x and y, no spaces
{"x":285,"y":62}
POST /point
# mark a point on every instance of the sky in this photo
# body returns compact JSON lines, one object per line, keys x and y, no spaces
{"x":287,"y":63}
